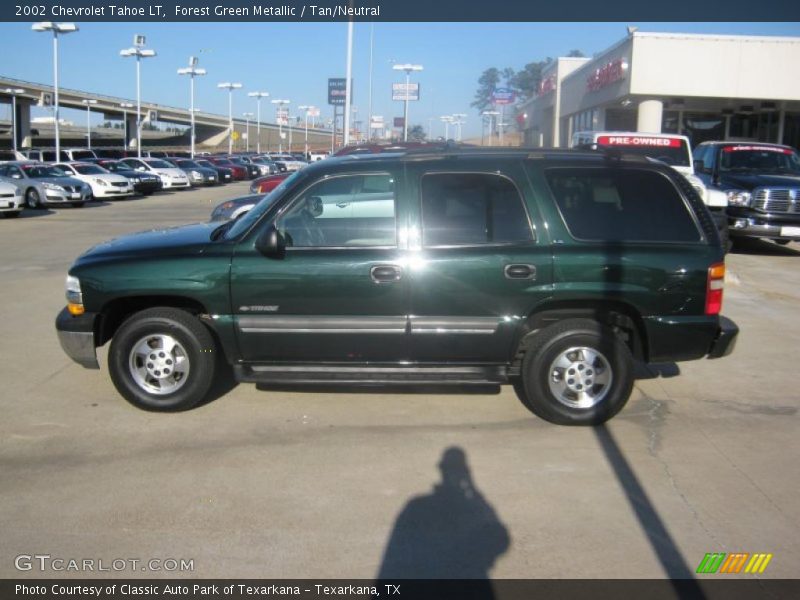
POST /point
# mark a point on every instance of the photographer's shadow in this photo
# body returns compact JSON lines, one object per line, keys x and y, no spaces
{"x":450,"y":533}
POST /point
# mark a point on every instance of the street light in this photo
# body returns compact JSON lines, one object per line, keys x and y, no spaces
{"x":192,"y":71}
{"x":490,"y":114}
{"x":247,"y":116}
{"x":88,"y":105}
{"x":230,"y":87}
{"x":459,"y":121}
{"x":281,"y":103}
{"x":13,"y":92}
{"x":307,"y":110}
{"x":125,"y":106}
{"x":447,"y":119}
{"x":139,"y":52}
{"x":258,"y":96}
{"x":56,"y":28}
{"x":408,"y":69}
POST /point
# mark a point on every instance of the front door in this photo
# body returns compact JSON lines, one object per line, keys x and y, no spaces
{"x":340,"y":291}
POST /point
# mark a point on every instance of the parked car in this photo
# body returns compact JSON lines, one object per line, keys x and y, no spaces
{"x":315,"y":156}
{"x":265,"y":166}
{"x":550,"y":272}
{"x":264,"y":185}
{"x":171,"y":177}
{"x":11,"y":200}
{"x":762,"y":185}
{"x":288,"y":161}
{"x":224,"y":174}
{"x":44,"y":184}
{"x":11,"y":155}
{"x":143,"y":182}
{"x":104,"y":183}
{"x":238,"y":172}
{"x":235,"y":207}
{"x":253,"y":170}
{"x":197,"y":174}
{"x":671,"y":149}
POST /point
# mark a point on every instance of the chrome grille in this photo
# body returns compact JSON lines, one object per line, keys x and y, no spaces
{"x":777,"y":200}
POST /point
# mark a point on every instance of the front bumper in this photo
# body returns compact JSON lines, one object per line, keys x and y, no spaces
{"x":147,"y":187}
{"x":113,"y":192}
{"x":11,"y":203}
{"x":773,"y":227}
{"x":76,"y":335}
{"x":54,"y":196}
{"x":725,"y":341}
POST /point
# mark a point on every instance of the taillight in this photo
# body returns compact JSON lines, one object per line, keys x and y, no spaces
{"x":716,"y":283}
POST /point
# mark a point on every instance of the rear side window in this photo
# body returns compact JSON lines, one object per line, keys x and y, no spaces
{"x":621,"y":205}
{"x":462,"y":209}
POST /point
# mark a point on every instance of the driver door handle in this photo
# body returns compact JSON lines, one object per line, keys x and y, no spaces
{"x":386,"y":273}
{"x":520,"y":271}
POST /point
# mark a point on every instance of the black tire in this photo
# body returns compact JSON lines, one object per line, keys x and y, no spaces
{"x":725,"y":239}
{"x":78,"y":204}
{"x":614,"y":362}
{"x":195,"y":345}
{"x":32,"y":199}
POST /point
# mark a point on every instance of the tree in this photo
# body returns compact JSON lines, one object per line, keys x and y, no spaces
{"x":417,"y":133}
{"x":487,"y":83}
{"x":576,"y":54}
{"x":526,"y":82}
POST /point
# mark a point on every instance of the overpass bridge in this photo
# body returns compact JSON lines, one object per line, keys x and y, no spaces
{"x":211,"y":130}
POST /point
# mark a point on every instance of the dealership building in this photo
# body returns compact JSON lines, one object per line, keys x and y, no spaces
{"x":707,"y":87}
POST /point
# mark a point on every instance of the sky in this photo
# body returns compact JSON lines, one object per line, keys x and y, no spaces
{"x":294,"y":60}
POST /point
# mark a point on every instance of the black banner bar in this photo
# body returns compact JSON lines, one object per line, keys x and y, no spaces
{"x":397,"y":10}
{"x":711,"y":588}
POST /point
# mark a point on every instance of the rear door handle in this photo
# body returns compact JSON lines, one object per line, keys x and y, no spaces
{"x":386,"y":273}
{"x":520,"y":271}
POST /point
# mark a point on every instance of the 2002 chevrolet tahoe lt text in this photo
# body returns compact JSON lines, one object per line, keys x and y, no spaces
{"x":549,"y":270}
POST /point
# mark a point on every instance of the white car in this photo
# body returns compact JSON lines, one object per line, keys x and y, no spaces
{"x":171,"y":176}
{"x":103,"y":182}
{"x":11,"y":200}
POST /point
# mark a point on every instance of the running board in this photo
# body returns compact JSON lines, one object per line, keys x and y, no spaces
{"x":364,"y":374}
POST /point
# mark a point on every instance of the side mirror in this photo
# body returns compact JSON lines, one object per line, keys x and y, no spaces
{"x":699,"y":166}
{"x":271,"y":243}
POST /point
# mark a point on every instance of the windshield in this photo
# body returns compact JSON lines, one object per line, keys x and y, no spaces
{"x":160,"y":164}
{"x":672,"y":151}
{"x":79,"y":154}
{"x":204,"y":163}
{"x":247,"y":221}
{"x":187,"y":164}
{"x":771,"y":159}
{"x":89,"y":169}
{"x":115,"y":166}
{"x":36,"y":171}
{"x":223,"y":161}
{"x":238,"y":161}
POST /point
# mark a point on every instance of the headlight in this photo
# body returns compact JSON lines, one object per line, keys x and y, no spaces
{"x":52,"y":186}
{"x":738,"y":198}
{"x":197,"y":175}
{"x":74,"y":295}
{"x":101,"y":182}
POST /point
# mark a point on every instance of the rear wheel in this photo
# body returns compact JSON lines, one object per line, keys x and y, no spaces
{"x":576,"y":372}
{"x":162,"y":359}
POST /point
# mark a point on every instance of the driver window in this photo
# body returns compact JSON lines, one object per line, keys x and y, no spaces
{"x":352,"y":210}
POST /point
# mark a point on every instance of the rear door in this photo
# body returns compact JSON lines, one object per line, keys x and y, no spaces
{"x":479,"y":260}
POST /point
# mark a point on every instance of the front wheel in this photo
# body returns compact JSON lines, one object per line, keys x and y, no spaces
{"x":32,"y":199}
{"x":162,"y":359}
{"x":576,"y":372}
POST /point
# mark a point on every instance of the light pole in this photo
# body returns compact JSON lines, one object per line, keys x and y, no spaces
{"x":13,"y":92}
{"x":258,"y":96}
{"x":247,"y":116}
{"x":459,"y":121}
{"x":230,"y":87}
{"x":306,"y":109}
{"x":56,"y":28}
{"x":408,"y":69}
{"x":447,"y":119}
{"x":490,"y":114}
{"x":192,"y":71}
{"x":280,"y":117}
{"x":139,"y":51}
{"x":88,"y":105}
{"x":125,"y":106}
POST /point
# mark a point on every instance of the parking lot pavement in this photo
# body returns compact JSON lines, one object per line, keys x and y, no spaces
{"x":349,"y":483}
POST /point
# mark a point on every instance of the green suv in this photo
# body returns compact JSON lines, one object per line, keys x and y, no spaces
{"x":548,"y":270}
